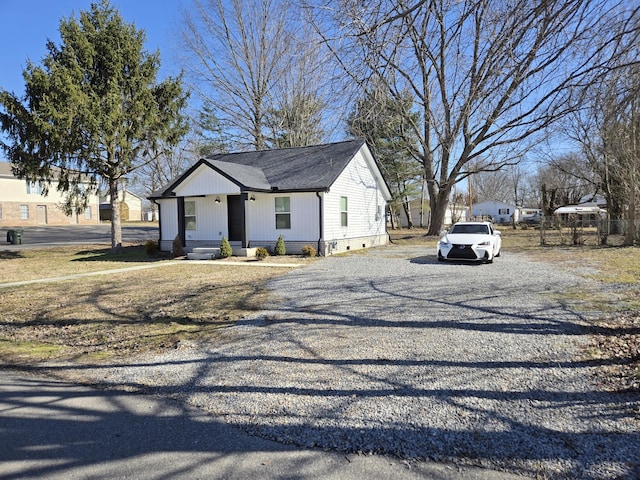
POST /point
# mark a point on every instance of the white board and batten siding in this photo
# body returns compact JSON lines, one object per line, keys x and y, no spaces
{"x":365,"y":209}
{"x":204,"y":181}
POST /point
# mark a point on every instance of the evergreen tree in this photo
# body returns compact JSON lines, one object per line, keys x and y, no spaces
{"x":384,"y":123}
{"x":93,"y":111}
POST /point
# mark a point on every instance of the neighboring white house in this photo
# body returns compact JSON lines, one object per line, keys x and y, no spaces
{"x":332,"y":197}
{"x":130,"y":206}
{"x":500,"y":212}
{"x":23,"y":203}
{"x":454,"y":213}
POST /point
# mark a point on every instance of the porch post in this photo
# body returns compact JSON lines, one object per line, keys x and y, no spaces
{"x":181,"y":222}
{"x":244,"y":196}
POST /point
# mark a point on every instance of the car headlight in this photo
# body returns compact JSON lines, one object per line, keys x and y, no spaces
{"x":443,"y":241}
{"x":486,"y":243}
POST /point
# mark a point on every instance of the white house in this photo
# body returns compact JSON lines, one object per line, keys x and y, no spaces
{"x":332,"y":197}
{"x":500,"y":212}
{"x":130,"y":206}
{"x":23,"y":203}
{"x":454,"y":213}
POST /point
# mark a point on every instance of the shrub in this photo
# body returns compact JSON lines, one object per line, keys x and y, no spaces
{"x":225,"y":248}
{"x":280,"y":249}
{"x":308,"y":251}
{"x":261,"y":253}
{"x":177,"y":248}
{"x":151,"y":247}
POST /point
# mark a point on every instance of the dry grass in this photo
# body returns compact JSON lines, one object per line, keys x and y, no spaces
{"x":31,"y":264}
{"x":121,"y":314}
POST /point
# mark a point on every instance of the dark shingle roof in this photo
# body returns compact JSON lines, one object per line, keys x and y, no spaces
{"x":312,"y":168}
{"x":250,"y":177}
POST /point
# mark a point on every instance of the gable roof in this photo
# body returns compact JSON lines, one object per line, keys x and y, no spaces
{"x":312,"y":168}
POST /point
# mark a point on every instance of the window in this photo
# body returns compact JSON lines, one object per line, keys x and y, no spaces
{"x":344,"y":212}
{"x":190,"y":215}
{"x":87,"y":213}
{"x":283,"y":213}
{"x":24,"y":212}
{"x":0,"y":212}
{"x":503,"y":211}
{"x":34,"y":188}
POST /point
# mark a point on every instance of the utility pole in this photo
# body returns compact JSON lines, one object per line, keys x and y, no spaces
{"x":470,"y":201}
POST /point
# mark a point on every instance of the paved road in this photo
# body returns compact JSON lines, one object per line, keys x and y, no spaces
{"x":74,"y":234}
{"x":53,"y":429}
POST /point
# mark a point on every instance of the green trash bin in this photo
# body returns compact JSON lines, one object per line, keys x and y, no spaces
{"x":14,"y":237}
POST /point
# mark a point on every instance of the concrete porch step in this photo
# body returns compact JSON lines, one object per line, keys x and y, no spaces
{"x":215,"y":250}
{"x":203,"y":253}
{"x":200,"y":256}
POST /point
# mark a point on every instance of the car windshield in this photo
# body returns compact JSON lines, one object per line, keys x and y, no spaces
{"x":478,"y":229}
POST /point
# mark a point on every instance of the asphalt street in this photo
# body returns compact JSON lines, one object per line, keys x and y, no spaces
{"x":77,"y":234}
{"x":51,"y":429}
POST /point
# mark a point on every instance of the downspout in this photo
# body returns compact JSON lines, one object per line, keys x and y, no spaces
{"x":320,"y":222}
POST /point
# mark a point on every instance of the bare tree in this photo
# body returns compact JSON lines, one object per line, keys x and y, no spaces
{"x":621,"y":141}
{"x":566,"y":180}
{"x":300,"y":96}
{"x":235,"y":52}
{"x":260,"y":68}
{"x":491,"y":185}
{"x":489,"y":76}
{"x":608,"y":132}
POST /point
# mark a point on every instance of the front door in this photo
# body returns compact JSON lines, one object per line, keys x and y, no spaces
{"x":235,"y":214}
{"x":42,"y":214}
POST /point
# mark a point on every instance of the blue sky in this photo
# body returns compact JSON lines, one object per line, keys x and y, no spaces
{"x":27,"y":24}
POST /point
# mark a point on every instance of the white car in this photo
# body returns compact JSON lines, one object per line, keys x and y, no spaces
{"x":475,"y":241}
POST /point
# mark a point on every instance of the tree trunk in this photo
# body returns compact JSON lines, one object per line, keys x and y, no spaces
{"x":439,"y":206}
{"x":116,"y":226}
{"x":406,"y":205}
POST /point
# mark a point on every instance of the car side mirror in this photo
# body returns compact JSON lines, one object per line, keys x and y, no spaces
{"x":497,"y":232}
{"x":443,"y":233}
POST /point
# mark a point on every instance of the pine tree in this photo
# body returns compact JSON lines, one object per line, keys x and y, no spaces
{"x":93,"y":112}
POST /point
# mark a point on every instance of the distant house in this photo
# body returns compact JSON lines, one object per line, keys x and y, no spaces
{"x":499,"y":212}
{"x":22,"y":203}
{"x":587,"y":212}
{"x":454,"y":213}
{"x":130,"y":206}
{"x":332,"y":197}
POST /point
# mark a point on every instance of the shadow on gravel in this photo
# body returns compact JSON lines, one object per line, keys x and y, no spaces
{"x":516,"y":445}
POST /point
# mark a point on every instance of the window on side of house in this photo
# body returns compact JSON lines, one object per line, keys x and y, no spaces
{"x":24,"y":212}
{"x":344,"y":212}
{"x":190,"y":215}
{"x":283,"y":213}
{"x":87,"y":213}
{"x":503,"y":211}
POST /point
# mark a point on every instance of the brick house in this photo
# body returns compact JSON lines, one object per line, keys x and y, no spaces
{"x":22,"y":203}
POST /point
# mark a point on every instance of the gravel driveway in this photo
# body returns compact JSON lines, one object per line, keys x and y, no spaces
{"x":391,"y":352}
